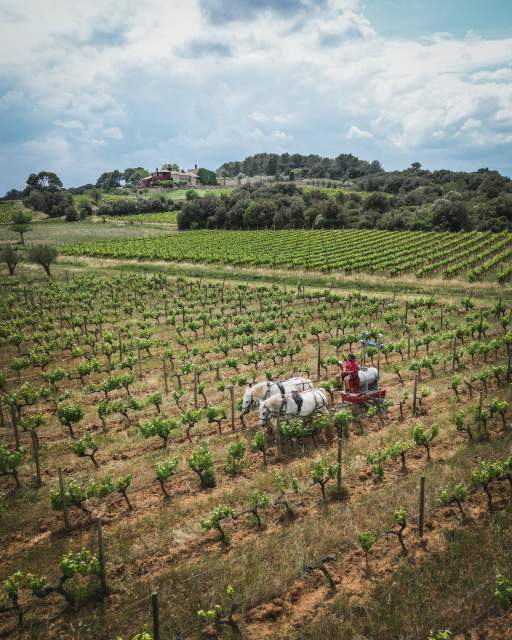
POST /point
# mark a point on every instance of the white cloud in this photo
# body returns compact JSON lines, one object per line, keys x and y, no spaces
{"x":259,"y":116}
{"x":281,"y":135}
{"x":355,"y":132}
{"x":69,"y":124}
{"x":471,"y":123}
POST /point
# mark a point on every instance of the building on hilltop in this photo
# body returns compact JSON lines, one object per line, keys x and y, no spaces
{"x":178,"y":178}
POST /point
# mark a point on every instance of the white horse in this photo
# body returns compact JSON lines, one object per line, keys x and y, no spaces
{"x":255,"y":394}
{"x":368,"y":379}
{"x":286,"y":406}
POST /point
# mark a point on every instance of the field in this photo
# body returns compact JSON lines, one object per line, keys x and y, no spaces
{"x":178,"y":195}
{"x":474,"y":255}
{"x":131,"y":384}
{"x":55,"y":231}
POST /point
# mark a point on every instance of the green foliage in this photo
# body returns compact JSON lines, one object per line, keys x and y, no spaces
{"x":85,"y":446}
{"x":69,"y":413}
{"x":423,"y":437}
{"x":217,"y":514}
{"x":440,"y":635}
{"x":74,"y":495}
{"x":166,"y":468}
{"x":43,"y":255}
{"x":323,"y":471}
{"x":235,"y":457}
{"x":201,"y":462}
{"x":367,"y":539}
{"x":83,"y":562}
{"x":400,"y":517}
{"x":448,"y":495}
{"x":100,"y":489}
{"x":377,"y":460}
{"x":503,"y":591}
{"x":158,"y":426}
{"x":10,"y":461}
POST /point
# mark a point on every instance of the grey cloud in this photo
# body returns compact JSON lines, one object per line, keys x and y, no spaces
{"x":98,"y":38}
{"x":203,"y":48}
{"x":219,"y":11}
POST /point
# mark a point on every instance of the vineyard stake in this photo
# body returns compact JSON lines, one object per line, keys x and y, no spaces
{"x":421,"y":521}
{"x":2,"y":417}
{"x":232,"y":398}
{"x":454,"y":352}
{"x":195,"y":391}
{"x":14,"y":422}
{"x":415,"y":395}
{"x":138,"y":358}
{"x":101,"y":557}
{"x":166,"y":384}
{"x":156,"y":616}
{"x":318,"y":359}
{"x":35,"y":453}
{"x":62,"y":489}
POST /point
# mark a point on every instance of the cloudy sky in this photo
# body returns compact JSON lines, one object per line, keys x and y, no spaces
{"x":96,"y":85}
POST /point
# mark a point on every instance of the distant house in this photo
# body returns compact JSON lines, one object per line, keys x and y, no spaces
{"x":182,"y":177}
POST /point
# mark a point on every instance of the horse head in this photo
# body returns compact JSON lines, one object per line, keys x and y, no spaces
{"x":247,"y":400}
{"x":271,"y":407}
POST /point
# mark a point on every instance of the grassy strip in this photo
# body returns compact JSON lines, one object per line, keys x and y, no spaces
{"x":316,"y":281}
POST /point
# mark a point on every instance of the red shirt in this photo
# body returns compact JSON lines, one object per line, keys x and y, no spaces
{"x":353,"y":380}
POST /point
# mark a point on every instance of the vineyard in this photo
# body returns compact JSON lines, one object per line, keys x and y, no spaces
{"x":473,"y":256}
{"x":121,"y":400}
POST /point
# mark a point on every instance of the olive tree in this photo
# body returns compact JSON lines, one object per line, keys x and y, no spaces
{"x":43,"y":255}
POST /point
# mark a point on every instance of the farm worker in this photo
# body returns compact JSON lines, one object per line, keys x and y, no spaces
{"x":350,"y":371}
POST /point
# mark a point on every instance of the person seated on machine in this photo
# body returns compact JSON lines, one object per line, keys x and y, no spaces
{"x":350,"y":370}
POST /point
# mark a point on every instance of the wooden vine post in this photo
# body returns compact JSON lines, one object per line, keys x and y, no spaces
{"x":35,"y":453}
{"x":155,"y":615}
{"x":415,"y":395}
{"x":14,"y":423}
{"x":195,"y":390}
{"x":166,"y":383}
{"x":232,"y":399}
{"x":139,"y":361}
{"x":62,"y":489}
{"x":421,"y":519}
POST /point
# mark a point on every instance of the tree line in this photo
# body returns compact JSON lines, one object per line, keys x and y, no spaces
{"x":425,"y":207}
{"x":296,"y":165}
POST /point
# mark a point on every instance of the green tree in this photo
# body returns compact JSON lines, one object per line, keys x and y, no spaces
{"x":43,"y":255}
{"x":44,"y":181}
{"x":21,"y":223}
{"x":11,"y":258}
{"x":206,"y":176}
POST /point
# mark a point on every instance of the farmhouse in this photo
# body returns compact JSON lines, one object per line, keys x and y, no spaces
{"x":182,"y":177}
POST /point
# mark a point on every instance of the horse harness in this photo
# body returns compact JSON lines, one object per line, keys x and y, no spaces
{"x":298,"y":399}
{"x":279,"y":385}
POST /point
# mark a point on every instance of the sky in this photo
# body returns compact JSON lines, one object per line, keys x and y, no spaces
{"x":87,"y":87}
